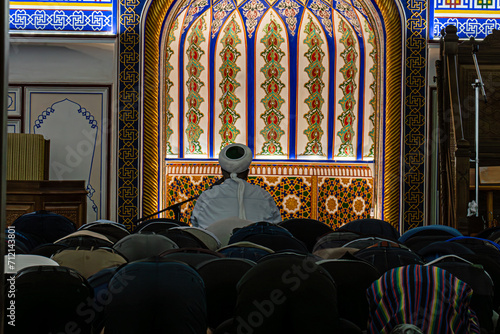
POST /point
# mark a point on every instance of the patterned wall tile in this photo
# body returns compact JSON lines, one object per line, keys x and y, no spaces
{"x":128,"y":124}
{"x":337,"y":200}
{"x":284,"y":104}
{"x":82,"y":16}
{"x":414,"y":115}
{"x":129,"y":91}
{"x":473,"y":18}
{"x":342,"y":200}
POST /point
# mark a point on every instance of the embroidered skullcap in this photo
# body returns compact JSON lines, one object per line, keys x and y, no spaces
{"x":235,"y":158}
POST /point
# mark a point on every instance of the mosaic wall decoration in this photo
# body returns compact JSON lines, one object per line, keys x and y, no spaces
{"x":332,"y":194}
{"x":348,"y":86}
{"x":315,"y":85}
{"x":172,"y":90}
{"x":229,"y":70}
{"x":240,"y":82}
{"x":413,"y":188}
{"x":369,"y":148}
{"x":231,"y":62}
{"x":344,"y":199}
{"x":128,"y":124}
{"x":473,"y":18}
{"x":82,"y":16}
{"x":168,"y":86}
{"x":194,"y":100}
{"x":292,"y":15}
{"x":272,"y":86}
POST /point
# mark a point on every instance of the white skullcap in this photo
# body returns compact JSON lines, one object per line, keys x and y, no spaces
{"x":235,"y":158}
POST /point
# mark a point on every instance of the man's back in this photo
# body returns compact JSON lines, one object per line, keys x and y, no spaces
{"x":221,"y":202}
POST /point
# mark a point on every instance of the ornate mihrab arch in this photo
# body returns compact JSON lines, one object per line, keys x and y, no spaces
{"x":140,"y":140}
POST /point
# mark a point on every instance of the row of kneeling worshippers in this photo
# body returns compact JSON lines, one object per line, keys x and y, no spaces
{"x":238,"y":276}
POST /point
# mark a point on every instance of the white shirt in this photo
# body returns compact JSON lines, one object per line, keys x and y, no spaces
{"x":221,"y":202}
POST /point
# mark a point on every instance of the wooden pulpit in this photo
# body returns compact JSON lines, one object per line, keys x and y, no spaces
{"x":29,"y":188}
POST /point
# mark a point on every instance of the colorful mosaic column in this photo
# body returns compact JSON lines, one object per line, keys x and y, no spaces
{"x":272,"y":86}
{"x":315,"y":85}
{"x":373,"y":86}
{"x":348,"y":87}
{"x":168,"y":83}
{"x":229,"y":70}
{"x":194,"y":84}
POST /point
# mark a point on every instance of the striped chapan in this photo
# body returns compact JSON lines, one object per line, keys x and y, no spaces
{"x":426,"y":296}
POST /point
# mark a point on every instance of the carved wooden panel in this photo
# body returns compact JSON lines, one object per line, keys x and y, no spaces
{"x":15,"y":210}
{"x":72,"y":211}
{"x":67,"y":198}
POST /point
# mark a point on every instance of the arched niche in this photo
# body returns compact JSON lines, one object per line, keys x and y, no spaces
{"x":384,"y":19}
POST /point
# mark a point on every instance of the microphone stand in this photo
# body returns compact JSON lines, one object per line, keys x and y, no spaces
{"x":478,"y":85}
{"x":176,"y":208}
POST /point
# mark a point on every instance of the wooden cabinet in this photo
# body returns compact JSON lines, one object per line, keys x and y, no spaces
{"x":67,"y":198}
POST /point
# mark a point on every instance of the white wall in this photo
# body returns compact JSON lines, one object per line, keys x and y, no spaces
{"x":58,"y":64}
{"x":45,"y":60}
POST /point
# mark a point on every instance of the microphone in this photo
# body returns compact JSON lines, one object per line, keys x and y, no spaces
{"x":480,"y":83}
{"x":176,"y":207}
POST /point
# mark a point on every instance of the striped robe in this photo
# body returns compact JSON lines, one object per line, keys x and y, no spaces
{"x":426,"y":296}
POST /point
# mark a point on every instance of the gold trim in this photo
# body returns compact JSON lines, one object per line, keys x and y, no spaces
{"x":391,"y":177}
{"x":314,"y":197}
{"x":154,"y":22}
{"x":268,"y":168}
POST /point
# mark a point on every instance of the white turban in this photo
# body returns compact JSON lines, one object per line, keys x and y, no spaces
{"x":234,"y":159}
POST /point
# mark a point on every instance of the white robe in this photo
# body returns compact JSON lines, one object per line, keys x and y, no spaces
{"x":221,"y":202}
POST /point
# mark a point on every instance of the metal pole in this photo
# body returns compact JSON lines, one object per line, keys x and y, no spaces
{"x":4,"y":73}
{"x":478,"y":85}
{"x":476,"y":89}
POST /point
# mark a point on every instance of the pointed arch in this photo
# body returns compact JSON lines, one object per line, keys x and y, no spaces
{"x":388,"y":120}
{"x":151,"y":140}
